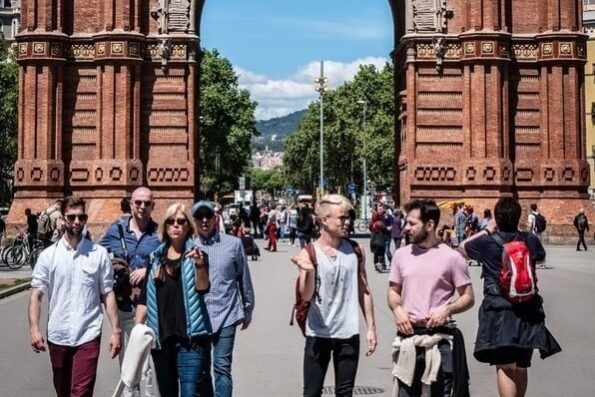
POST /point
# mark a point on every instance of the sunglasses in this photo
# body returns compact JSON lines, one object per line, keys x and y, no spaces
{"x":81,"y":217}
{"x":139,"y":203}
{"x":177,"y":221}
{"x":204,"y":215}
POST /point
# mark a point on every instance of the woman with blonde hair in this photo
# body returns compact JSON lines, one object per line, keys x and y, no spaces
{"x":172,"y":305}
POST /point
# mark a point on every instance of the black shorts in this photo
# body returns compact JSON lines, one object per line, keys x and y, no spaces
{"x":512,"y":355}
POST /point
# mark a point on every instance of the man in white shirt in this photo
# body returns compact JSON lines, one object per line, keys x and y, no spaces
{"x":76,"y":275}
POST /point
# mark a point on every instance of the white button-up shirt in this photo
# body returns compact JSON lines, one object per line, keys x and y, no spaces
{"x":74,"y":280}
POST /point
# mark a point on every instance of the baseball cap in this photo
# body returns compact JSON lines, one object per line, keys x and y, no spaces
{"x":202,"y":205}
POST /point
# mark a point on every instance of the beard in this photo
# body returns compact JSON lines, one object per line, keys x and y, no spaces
{"x":419,"y":237}
{"x":72,"y":231}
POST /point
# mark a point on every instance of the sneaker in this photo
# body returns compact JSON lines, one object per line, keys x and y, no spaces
{"x":378,"y":267}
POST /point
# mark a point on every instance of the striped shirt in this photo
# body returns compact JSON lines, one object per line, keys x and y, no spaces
{"x":230,"y":299}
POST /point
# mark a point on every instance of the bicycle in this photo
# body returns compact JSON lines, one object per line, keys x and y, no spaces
{"x":19,"y":252}
{"x":362,"y":225}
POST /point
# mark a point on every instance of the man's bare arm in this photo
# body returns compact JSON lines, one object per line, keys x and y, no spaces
{"x":34,"y":311}
{"x":402,"y":320}
{"x":366,"y":303}
{"x":111,"y":308}
{"x":306,"y":276}
{"x":463,"y":303}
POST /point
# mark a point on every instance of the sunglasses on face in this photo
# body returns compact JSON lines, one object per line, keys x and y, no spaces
{"x":81,"y":217}
{"x":204,"y":215}
{"x":139,"y":203}
{"x":177,"y":221}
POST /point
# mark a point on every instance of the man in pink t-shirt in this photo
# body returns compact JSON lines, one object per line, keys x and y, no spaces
{"x":423,"y":279}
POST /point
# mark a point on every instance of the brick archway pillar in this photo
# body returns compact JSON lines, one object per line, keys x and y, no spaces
{"x":107,"y":103}
{"x":490,"y":102}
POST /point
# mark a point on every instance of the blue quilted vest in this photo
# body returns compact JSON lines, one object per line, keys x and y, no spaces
{"x":197,"y":318}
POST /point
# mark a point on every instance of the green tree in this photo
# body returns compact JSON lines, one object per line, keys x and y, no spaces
{"x":346,"y":143}
{"x":227,"y":125}
{"x":9,"y":93}
{"x":273,"y":179}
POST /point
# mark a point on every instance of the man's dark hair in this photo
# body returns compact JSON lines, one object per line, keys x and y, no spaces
{"x":428,"y":210}
{"x":70,"y":202}
{"x":507,"y":213}
{"x":487,"y":213}
{"x":125,"y":206}
{"x":533,"y":207}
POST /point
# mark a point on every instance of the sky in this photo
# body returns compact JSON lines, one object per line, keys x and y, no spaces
{"x":276,"y":46}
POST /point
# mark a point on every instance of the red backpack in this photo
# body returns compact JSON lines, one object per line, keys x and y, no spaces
{"x":518,"y":281}
{"x":301,"y":306}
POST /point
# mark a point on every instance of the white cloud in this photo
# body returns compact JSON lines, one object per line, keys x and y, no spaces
{"x":280,"y":97}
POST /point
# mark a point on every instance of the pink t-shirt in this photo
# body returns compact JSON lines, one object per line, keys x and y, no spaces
{"x":429,"y":277}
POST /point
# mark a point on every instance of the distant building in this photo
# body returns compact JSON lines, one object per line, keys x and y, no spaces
{"x":267,"y":159}
{"x":589,"y":26}
{"x":10,"y":17}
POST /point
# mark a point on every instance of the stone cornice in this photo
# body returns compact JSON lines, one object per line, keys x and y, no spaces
{"x":106,"y":46}
{"x":494,"y":47}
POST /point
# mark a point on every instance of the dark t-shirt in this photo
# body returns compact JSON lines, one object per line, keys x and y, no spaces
{"x":170,"y":307}
{"x":486,"y":251}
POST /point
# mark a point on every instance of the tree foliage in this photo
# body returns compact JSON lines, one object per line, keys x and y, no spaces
{"x":9,"y":72}
{"x":346,"y":143}
{"x":270,"y":180}
{"x":227,"y":125}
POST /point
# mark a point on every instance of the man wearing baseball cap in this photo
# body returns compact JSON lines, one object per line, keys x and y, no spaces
{"x":230,"y":300}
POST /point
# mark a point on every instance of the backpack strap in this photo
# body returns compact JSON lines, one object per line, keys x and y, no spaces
{"x":498,"y":239}
{"x":358,"y":251}
{"x":312,"y":255}
{"x":123,"y":241}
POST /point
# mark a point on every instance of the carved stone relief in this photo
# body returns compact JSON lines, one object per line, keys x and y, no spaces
{"x":179,"y":15}
{"x":429,"y":15}
{"x":172,"y":15}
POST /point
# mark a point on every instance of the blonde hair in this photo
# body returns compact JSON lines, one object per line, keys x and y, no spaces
{"x":322,"y":208}
{"x":171,"y":211}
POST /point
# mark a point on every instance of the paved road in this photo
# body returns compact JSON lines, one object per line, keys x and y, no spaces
{"x":268,"y":354}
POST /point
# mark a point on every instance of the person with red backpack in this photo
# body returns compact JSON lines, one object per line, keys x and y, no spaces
{"x":511,"y":316}
{"x":332,"y":278}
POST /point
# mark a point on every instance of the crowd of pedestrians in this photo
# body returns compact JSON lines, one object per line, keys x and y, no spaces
{"x":182,"y":277}
{"x":188,"y":282}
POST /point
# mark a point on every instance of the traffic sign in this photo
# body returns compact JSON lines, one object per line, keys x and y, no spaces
{"x":352,"y":188}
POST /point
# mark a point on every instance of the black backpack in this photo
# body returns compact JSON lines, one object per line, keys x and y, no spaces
{"x":540,"y":223}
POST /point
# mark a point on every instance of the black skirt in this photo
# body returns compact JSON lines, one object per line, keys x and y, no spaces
{"x":504,"y":325}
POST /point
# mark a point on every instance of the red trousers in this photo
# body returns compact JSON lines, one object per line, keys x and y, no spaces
{"x":74,"y":368}
{"x":272,"y":234}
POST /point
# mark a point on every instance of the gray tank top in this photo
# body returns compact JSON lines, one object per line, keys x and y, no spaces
{"x":334,"y":313}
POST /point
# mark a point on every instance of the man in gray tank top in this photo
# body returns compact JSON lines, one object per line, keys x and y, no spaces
{"x":335,"y":288}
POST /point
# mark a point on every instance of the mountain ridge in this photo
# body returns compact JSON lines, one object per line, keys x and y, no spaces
{"x":274,"y":132}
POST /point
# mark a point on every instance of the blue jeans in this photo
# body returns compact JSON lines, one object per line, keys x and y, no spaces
{"x":223,"y":342}
{"x":190,"y":364}
{"x":389,"y":254}
{"x":282,"y":228}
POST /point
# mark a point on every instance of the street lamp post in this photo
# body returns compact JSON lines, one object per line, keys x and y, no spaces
{"x":362,"y":102}
{"x":321,"y":88}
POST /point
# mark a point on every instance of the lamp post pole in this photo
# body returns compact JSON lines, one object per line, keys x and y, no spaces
{"x":321,"y":88}
{"x":362,"y":102}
